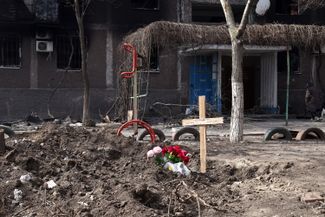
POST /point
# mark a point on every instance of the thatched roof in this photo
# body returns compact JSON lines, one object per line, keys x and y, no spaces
{"x":169,"y":34}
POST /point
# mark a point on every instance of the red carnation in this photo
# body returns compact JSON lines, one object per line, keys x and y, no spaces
{"x":175,"y":154}
{"x":164,"y":150}
{"x":183,"y":157}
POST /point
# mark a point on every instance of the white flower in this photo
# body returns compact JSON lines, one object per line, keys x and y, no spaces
{"x":150,"y":154}
{"x":157,"y":150}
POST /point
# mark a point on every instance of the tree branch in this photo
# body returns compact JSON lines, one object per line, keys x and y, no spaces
{"x":229,"y":15}
{"x":244,"y":20}
{"x":84,"y":9}
{"x":77,"y":11}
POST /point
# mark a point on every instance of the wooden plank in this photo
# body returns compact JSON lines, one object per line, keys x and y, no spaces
{"x":2,"y":142}
{"x":203,"y":121}
{"x":203,"y":150}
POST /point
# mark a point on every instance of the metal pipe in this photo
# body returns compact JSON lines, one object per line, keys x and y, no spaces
{"x":288,"y":86}
{"x":135,"y":101}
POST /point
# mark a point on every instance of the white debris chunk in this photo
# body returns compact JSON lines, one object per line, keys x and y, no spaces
{"x":51,"y":184}
{"x":18,"y":195}
{"x":83,"y":203}
{"x":25,"y":178}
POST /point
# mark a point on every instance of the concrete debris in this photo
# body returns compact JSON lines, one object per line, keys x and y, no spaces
{"x":311,"y":197}
{"x":50,"y":184}
{"x":76,"y":125}
{"x":18,"y":195}
{"x":25,"y":178}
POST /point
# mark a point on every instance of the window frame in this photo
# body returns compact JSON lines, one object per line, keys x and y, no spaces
{"x":146,"y":9}
{"x":155,"y":52}
{"x":19,"y":38}
{"x":289,"y":12}
{"x":66,"y":36}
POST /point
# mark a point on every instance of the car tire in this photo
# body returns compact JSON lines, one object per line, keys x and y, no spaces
{"x":188,"y":130}
{"x":277,"y":130}
{"x":303,"y":134}
{"x":161,"y":136}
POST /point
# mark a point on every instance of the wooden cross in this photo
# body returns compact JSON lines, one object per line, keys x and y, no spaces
{"x":202,"y":122}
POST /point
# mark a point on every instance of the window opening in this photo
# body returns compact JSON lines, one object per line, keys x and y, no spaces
{"x":154,"y":58}
{"x":65,"y":46}
{"x":10,"y":51}
{"x":289,"y":7}
{"x":145,"y":4}
{"x":213,"y":13}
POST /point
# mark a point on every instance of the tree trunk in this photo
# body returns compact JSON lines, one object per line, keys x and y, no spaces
{"x":85,"y":79}
{"x":237,"y":85}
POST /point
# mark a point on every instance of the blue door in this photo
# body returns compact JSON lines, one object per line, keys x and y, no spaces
{"x":202,"y":83}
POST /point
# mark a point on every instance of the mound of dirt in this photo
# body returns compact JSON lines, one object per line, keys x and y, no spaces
{"x":99,"y":174}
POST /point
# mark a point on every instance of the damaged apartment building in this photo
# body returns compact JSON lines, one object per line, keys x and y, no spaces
{"x":38,"y":74}
{"x":208,"y":67}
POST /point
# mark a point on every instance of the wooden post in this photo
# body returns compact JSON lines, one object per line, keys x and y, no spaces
{"x":203,"y":135}
{"x":2,"y":142}
{"x":202,"y":122}
{"x":288,"y":87}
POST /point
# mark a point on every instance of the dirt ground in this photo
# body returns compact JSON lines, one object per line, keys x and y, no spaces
{"x":100,"y":174}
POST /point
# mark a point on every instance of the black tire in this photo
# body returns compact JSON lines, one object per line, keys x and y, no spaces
{"x":286,"y":135}
{"x":161,"y":136}
{"x":7,"y":130}
{"x":188,"y":130}
{"x":311,"y":133}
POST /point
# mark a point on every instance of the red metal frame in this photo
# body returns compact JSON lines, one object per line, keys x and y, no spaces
{"x":141,"y":123}
{"x":131,"y":49}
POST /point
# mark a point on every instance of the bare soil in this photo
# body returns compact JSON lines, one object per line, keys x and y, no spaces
{"x":100,"y":174}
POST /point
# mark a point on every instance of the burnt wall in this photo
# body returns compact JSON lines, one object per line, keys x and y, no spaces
{"x":18,"y":103}
{"x":166,"y":77}
{"x":28,"y":89}
{"x":50,"y":76}
{"x":298,"y":80}
{"x":126,"y":15}
{"x":124,"y":19}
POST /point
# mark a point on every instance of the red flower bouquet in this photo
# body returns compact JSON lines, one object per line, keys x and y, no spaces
{"x":175,"y":154}
{"x":172,"y":158}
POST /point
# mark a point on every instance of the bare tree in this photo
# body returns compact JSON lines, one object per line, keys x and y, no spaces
{"x":236,"y":33}
{"x":80,"y":7}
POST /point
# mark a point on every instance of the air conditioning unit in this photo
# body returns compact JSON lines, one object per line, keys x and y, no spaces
{"x":44,"y":46}
{"x":43,"y":35}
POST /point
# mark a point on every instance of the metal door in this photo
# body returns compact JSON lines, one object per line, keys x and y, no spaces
{"x":201,"y":82}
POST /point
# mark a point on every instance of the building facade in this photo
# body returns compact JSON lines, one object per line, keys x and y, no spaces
{"x":40,"y":58}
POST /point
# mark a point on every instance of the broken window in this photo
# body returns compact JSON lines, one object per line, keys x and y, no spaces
{"x":10,"y":47}
{"x":68,"y":52}
{"x":145,"y":4}
{"x":46,"y":10}
{"x":294,"y":61}
{"x":213,"y":13}
{"x":289,"y":7}
{"x":154,"y":59}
